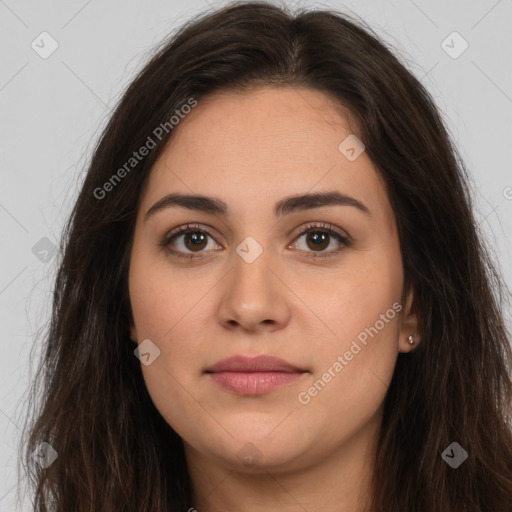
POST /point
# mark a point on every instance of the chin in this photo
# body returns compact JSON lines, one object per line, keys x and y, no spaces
{"x":258,"y":448}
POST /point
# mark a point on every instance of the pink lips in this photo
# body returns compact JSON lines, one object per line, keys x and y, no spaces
{"x":253,"y":375}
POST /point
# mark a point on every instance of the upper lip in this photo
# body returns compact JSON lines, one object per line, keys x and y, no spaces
{"x":260,"y":363}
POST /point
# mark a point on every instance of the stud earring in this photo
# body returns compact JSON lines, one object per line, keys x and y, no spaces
{"x":411,"y":340}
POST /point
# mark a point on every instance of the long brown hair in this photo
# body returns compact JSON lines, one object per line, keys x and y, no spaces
{"x":115,"y":451}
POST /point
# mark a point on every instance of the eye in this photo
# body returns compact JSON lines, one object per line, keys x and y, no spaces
{"x":319,"y":237}
{"x":190,"y":241}
{"x":187,"y":240}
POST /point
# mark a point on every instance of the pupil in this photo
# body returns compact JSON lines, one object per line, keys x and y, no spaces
{"x":319,"y":239}
{"x":196,"y":239}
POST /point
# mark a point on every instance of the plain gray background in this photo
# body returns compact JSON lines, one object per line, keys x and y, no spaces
{"x":53,"y":109}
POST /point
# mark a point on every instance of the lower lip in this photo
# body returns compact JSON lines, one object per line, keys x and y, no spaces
{"x":253,"y":383}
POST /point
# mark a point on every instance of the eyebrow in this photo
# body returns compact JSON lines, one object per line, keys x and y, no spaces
{"x":285,"y":206}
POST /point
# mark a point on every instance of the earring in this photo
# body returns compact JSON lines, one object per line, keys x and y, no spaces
{"x":411,"y":340}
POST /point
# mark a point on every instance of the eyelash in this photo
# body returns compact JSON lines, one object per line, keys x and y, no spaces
{"x":313,"y":227}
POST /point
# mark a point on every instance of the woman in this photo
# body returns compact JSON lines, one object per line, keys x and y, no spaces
{"x":273,"y":293}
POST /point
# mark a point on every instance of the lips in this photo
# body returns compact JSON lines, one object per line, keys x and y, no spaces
{"x":258,"y":375}
{"x":253,"y":364}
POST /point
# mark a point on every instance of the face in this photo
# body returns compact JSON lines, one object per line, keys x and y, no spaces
{"x":262,"y":271}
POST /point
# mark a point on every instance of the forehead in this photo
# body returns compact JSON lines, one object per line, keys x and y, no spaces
{"x":262,"y":144}
{"x":270,"y":125}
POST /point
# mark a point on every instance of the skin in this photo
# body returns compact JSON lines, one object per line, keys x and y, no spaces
{"x":251,"y":150}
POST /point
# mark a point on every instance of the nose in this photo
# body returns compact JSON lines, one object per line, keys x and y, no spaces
{"x":254,"y":297}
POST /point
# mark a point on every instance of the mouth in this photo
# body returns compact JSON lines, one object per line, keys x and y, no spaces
{"x":252,"y":376}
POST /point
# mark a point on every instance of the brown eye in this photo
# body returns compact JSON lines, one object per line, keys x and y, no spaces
{"x":191,"y":241}
{"x":195,"y":241}
{"x":321,"y":240}
{"x":317,"y":240}
{"x":187,"y":241}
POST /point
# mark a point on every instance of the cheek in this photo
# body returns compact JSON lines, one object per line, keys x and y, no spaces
{"x":352,"y":371}
{"x":166,"y":307}
{"x":355,"y":359}
{"x":171,"y":378}
{"x":169,"y":317}
{"x":345,"y":304}
{"x":162,"y":296}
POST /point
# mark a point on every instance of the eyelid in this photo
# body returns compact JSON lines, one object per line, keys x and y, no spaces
{"x":184,"y":229}
{"x":344,"y":238}
{"x":322,"y":226}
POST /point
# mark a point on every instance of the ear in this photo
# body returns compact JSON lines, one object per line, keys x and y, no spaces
{"x":408,"y":325}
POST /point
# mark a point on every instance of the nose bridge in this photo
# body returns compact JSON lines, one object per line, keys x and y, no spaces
{"x":253,"y":294}
{"x":251,"y":274}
